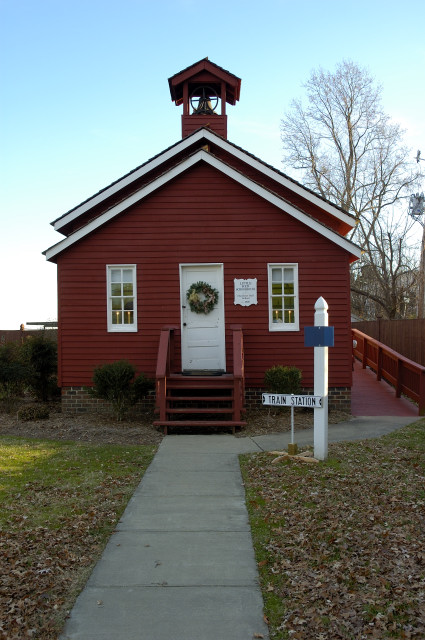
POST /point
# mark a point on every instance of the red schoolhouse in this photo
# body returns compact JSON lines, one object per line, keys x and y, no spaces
{"x":202,"y":267}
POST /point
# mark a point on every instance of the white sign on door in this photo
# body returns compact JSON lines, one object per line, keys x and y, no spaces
{"x":246,"y":291}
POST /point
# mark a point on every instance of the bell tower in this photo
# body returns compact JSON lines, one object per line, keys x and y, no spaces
{"x":203,"y":89}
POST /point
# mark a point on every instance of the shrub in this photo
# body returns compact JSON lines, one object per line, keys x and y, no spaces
{"x":280,"y":379}
{"x":33,"y":412}
{"x":14,"y":375}
{"x":117,"y":383}
{"x":41,"y":355}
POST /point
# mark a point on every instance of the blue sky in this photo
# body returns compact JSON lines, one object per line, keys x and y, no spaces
{"x":84,"y":97}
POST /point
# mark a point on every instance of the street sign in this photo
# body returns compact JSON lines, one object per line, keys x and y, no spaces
{"x":285,"y":400}
{"x":318,"y":336}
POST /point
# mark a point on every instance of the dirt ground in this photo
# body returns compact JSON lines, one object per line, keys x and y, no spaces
{"x":101,"y":428}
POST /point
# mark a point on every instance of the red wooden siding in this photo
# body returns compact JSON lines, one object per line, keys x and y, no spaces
{"x":96,"y":210}
{"x":217,"y":123}
{"x":200,"y":217}
{"x":291,"y":196}
{"x":297,"y":200}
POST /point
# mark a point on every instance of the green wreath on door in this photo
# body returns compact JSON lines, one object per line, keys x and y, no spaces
{"x":200,"y":304}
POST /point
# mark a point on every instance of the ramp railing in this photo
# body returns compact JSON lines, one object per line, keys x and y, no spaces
{"x":407,"y":377}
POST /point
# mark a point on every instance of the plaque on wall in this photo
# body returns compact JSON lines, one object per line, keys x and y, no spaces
{"x":246,"y":291}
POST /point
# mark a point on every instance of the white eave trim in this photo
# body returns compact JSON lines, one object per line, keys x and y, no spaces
{"x":277,"y":177}
{"x":181,"y":146}
{"x":199,"y":156}
{"x":125,"y":181}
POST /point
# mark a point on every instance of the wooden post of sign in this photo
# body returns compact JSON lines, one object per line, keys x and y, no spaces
{"x":321,"y":319}
{"x":292,"y":446}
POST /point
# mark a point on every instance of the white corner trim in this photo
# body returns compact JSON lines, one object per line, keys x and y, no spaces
{"x":199,"y":156}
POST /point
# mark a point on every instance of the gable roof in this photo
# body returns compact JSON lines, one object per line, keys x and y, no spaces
{"x":198,"y":155}
{"x":200,"y":136}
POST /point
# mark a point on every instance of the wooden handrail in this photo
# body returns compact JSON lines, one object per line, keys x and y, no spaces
{"x":238,"y":354}
{"x":162,"y":360}
{"x":238,"y":372}
{"x":406,"y":376}
{"x":164,"y":366}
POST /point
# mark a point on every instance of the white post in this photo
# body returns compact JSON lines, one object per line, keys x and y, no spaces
{"x":321,"y":319}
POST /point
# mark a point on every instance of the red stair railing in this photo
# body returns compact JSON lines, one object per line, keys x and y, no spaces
{"x":164,"y":366}
{"x":238,"y":372}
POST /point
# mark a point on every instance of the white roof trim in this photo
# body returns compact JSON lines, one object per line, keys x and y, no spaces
{"x":177,"y":170}
{"x":125,"y":181}
{"x":181,"y":146}
{"x":271,"y":173}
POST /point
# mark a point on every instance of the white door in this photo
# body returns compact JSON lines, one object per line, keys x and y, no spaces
{"x":203,"y":337}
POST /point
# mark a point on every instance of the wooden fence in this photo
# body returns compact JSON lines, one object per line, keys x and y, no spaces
{"x":404,"y":336}
{"x":15,"y":335}
{"x":406,"y":376}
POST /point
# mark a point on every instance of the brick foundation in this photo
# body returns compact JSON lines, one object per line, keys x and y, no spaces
{"x":77,"y":400}
{"x":340,"y":399}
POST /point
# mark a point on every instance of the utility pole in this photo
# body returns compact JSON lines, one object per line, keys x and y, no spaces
{"x":416,"y":211}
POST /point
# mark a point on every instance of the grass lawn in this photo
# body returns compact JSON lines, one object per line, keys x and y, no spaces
{"x":340,"y":545}
{"x":59,"y":503}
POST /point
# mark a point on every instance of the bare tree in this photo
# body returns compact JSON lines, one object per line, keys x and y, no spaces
{"x":343,"y":146}
{"x":384,"y":281}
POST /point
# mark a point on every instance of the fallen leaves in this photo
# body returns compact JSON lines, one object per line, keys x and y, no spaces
{"x":340,"y":545}
{"x":55,"y":526}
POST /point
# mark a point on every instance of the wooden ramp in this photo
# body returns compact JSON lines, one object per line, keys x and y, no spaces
{"x":372,"y":398}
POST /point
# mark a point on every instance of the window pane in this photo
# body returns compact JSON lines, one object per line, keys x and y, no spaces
{"x":289,"y":303}
{"x":277,"y":316}
{"x":289,"y":288}
{"x":116,"y":304}
{"x":127,"y":275}
{"x":277,"y":275}
{"x":288,"y":275}
{"x":128,"y":317}
{"x":276,"y":303}
{"x":115,"y":275}
{"x":128,"y":304}
{"x":277,"y":289}
{"x":127,"y":289}
{"x":116,"y":317}
{"x":289,"y":317}
{"x":115,"y":289}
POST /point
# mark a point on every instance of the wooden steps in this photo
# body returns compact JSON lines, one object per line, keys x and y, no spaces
{"x":194,"y":399}
{"x":200,"y":401}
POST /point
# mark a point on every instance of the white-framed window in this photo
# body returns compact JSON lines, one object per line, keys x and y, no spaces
{"x":122,"y":297}
{"x":283,"y":297}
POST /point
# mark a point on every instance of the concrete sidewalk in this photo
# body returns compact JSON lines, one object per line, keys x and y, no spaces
{"x":181,"y":564}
